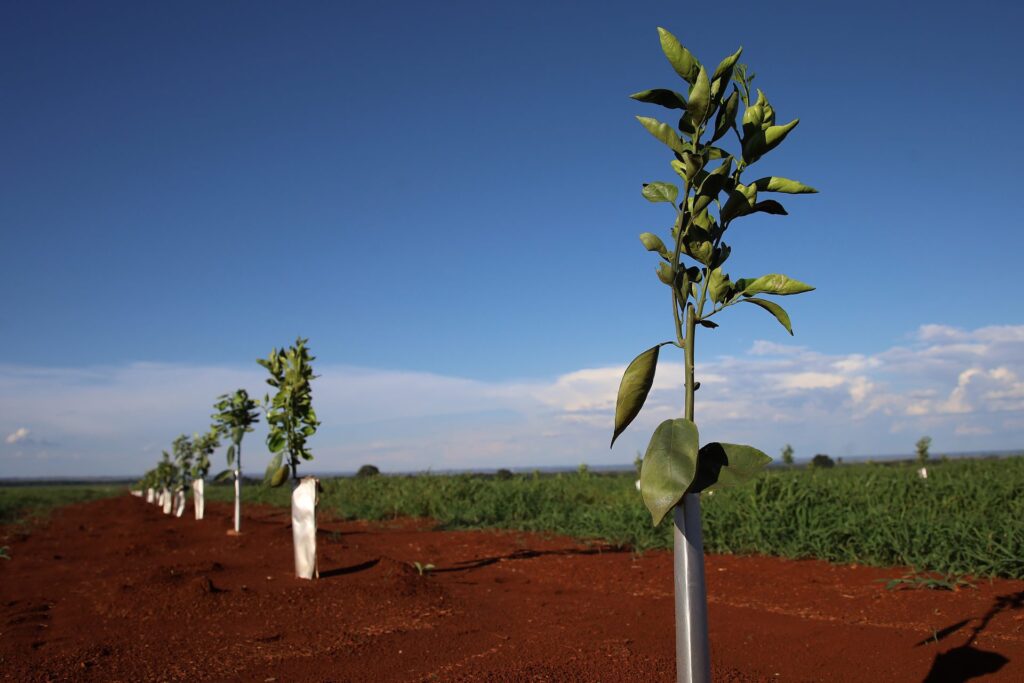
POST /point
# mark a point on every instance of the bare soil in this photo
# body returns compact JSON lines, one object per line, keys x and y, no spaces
{"x":114,"y":590}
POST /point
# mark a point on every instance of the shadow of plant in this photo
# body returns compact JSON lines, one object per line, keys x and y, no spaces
{"x":966,"y":661}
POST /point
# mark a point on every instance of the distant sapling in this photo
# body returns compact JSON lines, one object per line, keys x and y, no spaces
{"x":203,"y":447}
{"x":713,"y":196}
{"x":182,"y":448}
{"x":291,"y":420}
{"x":236,"y":414}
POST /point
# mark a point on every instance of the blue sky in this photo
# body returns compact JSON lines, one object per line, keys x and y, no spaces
{"x":445,"y":199}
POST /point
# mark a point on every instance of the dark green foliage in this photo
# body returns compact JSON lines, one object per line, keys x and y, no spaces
{"x":290,"y":415}
{"x":504,"y":474}
{"x":822,"y":460}
{"x":921,"y":447}
{"x":368,"y":471}
{"x":712,"y":197}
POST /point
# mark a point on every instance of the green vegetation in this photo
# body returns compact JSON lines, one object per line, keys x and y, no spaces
{"x":290,"y":415}
{"x":30,"y":502}
{"x":921,"y":448}
{"x":963,"y":519}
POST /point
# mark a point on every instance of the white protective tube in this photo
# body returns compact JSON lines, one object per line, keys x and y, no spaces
{"x":304,"y":501}
{"x":197,"y":497}
{"x":165,"y":500}
{"x":238,"y":500}
{"x":150,"y":495}
{"x":179,"y":502}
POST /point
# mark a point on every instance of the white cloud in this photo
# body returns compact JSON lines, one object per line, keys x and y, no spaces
{"x":963,"y":387}
{"x":19,"y":434}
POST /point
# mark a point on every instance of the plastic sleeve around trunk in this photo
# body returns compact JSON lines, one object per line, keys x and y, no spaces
{"x":150,"y":495}
{"x":179,"y":502}
{"x":165,"y":500}
{"x":197,"y":497}
{"x":304,"y":502}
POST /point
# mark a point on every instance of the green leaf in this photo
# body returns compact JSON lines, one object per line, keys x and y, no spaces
{"x":741,"y":202}
{"x":280,"y":476}
{"x":660,"y":192}
{"x":775,"y":310}
{"x":679,"y":57}
{"x":776,"y":184}
{"x":666,"y":98}
{"x":720,"y":465}
{"x":769,"y":206}
{"x":663,"y":132}
{"x":223,"y":475}
{"x":272,"y":467}
{"x":773,"y":283}
{"x":718,"y":285}
{"x":669,"y":466}
{"x":762,"y":142}
{"x":231,"y":455}
{"x":275,"y":441}
{"x":700,"y":98}
{"x":726,"y":117}
{"x":634,"y":387}
{"x":665,"y":273}
{"x":652,"y":242}
{"x":727,"y":64}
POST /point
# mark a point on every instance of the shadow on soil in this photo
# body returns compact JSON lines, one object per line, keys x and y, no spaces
{"x":342,"y":571}
{"x":467,"y":565}
{"x":966,"y":661}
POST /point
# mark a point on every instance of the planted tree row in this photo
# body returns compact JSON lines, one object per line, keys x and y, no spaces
{"x":291,"y":421}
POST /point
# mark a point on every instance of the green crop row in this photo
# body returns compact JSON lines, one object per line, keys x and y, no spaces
{"x":19,"y":503}
{"x":965,"y":518}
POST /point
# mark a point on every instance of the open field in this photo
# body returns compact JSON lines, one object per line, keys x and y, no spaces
{"x":115,"y":590}
{"x":964,"y":519}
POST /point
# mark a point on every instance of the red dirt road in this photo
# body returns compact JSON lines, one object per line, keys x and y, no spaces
{"x":114,"y":590}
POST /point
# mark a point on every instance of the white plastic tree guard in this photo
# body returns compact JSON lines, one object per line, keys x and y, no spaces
{"x":304,"y":502}
{"x":150,"y":495}
{"x":197,"y":497}
{"x":165,"y":501}
{"x":179,"y":502}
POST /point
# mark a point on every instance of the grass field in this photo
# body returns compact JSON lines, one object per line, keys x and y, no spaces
{"x":24,"y":503}
{"x":964,"y":519}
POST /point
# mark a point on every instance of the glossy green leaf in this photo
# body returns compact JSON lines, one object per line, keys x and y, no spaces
{"x":280,"y":476}
{"x":276,"y":442}
{"x":762,"y":142}
{"x":669,"y":466}
{"x":773,"y":283}
{"x":678,"y":56}
{"x":272,"y":467}
{"x":721,"y":465}
{"x":663,"y":132}
{"x":726,"y":65}
{"x":664,"y":272}
{"x":726,"y":117}
{"x":223,"y":475}
{"x":697,"y":244}
{"x":741,"y":202}
{"x":769,"y":206}
{"x":718,"y":285}
{"x":633,"y":389}
{"x":660,"y":96}
{"x":700,"y":98}
{"x":231,"y":454}
{"x":716,"y":153}
{"x":776,"y":184}
{"x":775,"y":310}
{"x":652,"y":242}
{"x":660,"y":192}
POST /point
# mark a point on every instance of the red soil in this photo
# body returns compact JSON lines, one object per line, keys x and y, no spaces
{"x":116,"y":591}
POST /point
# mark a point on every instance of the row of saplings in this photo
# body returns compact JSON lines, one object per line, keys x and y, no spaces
{"x":291,"y":421}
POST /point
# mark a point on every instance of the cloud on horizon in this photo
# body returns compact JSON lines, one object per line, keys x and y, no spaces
{"x":965,"y":388}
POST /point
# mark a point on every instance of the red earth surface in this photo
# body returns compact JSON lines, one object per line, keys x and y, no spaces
{"x":114,"y":590}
